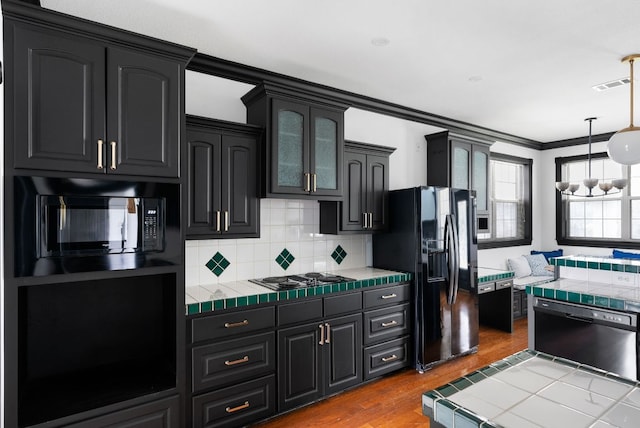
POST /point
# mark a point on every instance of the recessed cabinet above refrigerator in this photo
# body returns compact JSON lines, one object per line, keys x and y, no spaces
{"x":304,"y":142}
{"x":461,"y":162}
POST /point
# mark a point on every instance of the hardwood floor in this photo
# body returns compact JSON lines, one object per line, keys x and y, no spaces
{"x":395,"y":401}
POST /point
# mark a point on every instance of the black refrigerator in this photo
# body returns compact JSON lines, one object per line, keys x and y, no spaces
{"x":432,"y":235}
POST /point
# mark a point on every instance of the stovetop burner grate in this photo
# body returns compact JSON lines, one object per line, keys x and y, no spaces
{"x":290,"y":282}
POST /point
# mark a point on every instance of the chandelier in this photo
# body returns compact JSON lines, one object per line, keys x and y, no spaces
{"x":570,"y":189}
{"x":624,"y":146}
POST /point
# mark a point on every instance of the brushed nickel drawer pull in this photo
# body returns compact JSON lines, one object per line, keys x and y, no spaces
{"x":364,"y":220}
{"x":100,"y":163}
{"x":113,"y":155}
{"x":226,"y":221}
{"x":328,"y":339}
{"x":315,"y":182}
{"x":244,"y":359}
{"x":389,"y":296}
{"x":390,"y":323}
{"x":236,"y":324}
{"x":307,"y":177}
{"x":321,"y":334}
{"x":370,"y":220}
{"x":235,"y":409}
{"x":217,"y":221}
{"x":391,"y":358}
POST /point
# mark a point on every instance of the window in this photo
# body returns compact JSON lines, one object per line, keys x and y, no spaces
{"x":598,"y":221}
{"x":509,"y":202}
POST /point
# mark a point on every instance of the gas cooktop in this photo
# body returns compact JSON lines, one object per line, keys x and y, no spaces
{"x":291,"y":282}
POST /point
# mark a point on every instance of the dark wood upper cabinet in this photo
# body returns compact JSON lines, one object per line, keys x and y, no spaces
{"x":304,"y":142}
{"x":364,"y":206}
{"x":222,"y":169}
{"x":78,"y":104}
{"x":460,"y":162}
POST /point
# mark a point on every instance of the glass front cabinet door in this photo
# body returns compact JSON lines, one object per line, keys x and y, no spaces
{"x":304,"y":144}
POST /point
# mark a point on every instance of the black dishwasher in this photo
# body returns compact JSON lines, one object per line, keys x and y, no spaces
{"x":602,"y":338}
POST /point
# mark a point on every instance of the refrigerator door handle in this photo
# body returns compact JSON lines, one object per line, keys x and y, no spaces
{"x":456,"y":244}
{"x":451,"y":257}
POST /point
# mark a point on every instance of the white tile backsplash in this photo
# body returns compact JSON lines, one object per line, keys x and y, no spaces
{"x":290,"y":224}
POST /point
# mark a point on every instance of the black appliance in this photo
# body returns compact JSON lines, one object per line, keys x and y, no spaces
{"x":292,"y":282}
{"x":598,"y":337}
{"x":66,"y":225}
{"x":432,"y":236}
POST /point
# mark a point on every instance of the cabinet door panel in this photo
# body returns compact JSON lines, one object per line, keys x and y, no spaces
{"x":344,"y":362}
{"x":326,"y":137}
{"x":299,"y":369}
{"x":143,"y":113}
{"x":377,"y":185}
{"x":481,"y":177}
{"x":461,"y":154}
{"x":354,"y":205}
{"x":203,"y":151}
{"x":239,"y":203}
{"x":290,"y":147}
{"x":58,"y":101}
{"x":163,"y":413}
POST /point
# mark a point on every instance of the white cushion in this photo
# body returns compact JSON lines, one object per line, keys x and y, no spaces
{"x":519,"y":266}
{"x":538,"y":263}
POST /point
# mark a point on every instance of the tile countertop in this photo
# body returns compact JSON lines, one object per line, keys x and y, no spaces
{"x":612,"y":296}
{"x":214,"y":297}
{"x":490,"y":274}
{"x":533,"y":390}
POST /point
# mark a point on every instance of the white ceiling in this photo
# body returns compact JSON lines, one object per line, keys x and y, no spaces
{"x":522,"y":67}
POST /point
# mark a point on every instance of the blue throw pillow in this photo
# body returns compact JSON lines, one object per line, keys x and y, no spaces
{"x":617,"y":254}
{"x":548,"y":254}
{"x":538,"y":264}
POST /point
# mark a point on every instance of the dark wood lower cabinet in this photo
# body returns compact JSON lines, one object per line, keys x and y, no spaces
{"x":250,"y":364}
{"x":318,"y":359}
{"x":237,"y":405}
{"x":163,"y":413}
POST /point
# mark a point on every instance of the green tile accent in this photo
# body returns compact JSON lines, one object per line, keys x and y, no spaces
{"x":217,"y":264}
{"x":548,"y":292}
{"x":465,"y":419}
{"x":447,"y":390}
{"x":273,"y":297}
{"x":339,"y":254}
{"x":293,"y":294}
{"x":193,"y":308}
{"x":263,"y":298}
{"x":284,"y":259}
{"x":617,"y":268}
{"x":537,"y":291}
{"x":282,"y":295}
{"x":218,"y":304}
{"x":561,"y":295}
{"x":592,"y":265}
{"x":570,"y":263}
{"x":242,"y":301}
{"x":206,"y":306}
{"x":616,"y":304}
{"x":605,"y":266}
{"x":476,"y":377}
{"x":461,"y":383}
{"x":602,"y":301}
{"x":631,"y":268}
{"x":587,"y":299}
{"x":253,"y":300}
{"x":230,"y":303}
{"x":581,"y":264}
{"x":574,"y":297}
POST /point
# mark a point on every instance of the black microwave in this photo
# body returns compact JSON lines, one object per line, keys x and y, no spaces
{"x":90,"y":225}
{"x":66,"y":225}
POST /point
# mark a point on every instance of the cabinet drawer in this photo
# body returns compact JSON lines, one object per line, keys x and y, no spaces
{"x":386,"y":323}
{"x":163,"y":413}
{"x":386,"y":357}
{"x":224,"y":363}
{"x":386,"y":296}
{"x":306,"y":310}
{"x":237,"y":405}
{"x":227,"y":325}
{"x":342,"y":304}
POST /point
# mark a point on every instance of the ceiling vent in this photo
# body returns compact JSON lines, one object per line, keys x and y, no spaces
{"x":613,"y":84}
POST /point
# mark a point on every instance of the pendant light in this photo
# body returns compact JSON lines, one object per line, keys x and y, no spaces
{"x":624,"y":146}
{"x":566,"y":188}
